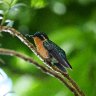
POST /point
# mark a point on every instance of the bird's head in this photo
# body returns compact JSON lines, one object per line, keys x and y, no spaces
{"x":40,"y":35}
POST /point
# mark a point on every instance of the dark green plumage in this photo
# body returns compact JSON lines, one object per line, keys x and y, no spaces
{"x":58,"y":54}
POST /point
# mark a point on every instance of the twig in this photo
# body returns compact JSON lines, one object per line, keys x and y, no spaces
{"x":76,"y":90}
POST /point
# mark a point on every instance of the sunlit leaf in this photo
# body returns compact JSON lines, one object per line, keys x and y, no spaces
{"x":9,"y":23}
{"x":15,"y":10}
{"x":1,"y":12}
{"x":18,"y":5}
{"x":14,"y":2}
{"x":38,"y":3}
{"x":6,"y":4}
{"x":5,"y":83}
{"x":1,"y":1}
{"x":7,"y":1}
{"x":3,"y":5}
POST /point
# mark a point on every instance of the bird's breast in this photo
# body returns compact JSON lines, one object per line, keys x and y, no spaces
{"x":40,"y":48}
{"x":42,"y":51}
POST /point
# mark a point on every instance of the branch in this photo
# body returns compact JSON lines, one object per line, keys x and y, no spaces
{"x":42,"y":68}
{"x":72,"y":85}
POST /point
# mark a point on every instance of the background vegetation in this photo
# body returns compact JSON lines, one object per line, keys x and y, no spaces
{"x":69,"y":23}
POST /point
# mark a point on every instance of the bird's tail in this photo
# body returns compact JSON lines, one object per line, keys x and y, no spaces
{"x":60,"y":67}
{"x":68,"y":64}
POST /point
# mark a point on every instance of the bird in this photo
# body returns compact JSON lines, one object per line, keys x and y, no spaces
{"x":49,"y":50}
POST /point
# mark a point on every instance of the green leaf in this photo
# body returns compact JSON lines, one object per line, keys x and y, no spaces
{"x":38,"y":3}
{"x":10,"y":2}
{"x":1,"y":1}
{"x":14,"y":2}
{"x":7,"y":1}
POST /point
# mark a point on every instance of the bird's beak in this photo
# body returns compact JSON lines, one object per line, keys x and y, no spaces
{"x":27,"y":35}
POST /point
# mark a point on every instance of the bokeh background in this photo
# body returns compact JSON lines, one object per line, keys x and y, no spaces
{"x":71,"y":24}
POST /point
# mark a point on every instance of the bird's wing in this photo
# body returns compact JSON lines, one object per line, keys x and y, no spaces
{"x":57,"y":53}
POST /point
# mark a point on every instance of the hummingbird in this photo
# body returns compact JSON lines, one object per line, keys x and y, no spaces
{"x":49,"y":50}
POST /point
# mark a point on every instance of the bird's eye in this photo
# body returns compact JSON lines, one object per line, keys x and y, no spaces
{"x":42,"y":37}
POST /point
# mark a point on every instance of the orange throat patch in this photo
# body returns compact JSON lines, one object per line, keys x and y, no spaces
{"x":40,"y":48}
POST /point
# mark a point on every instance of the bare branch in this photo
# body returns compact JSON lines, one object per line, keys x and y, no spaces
{"x":43,"y":68}
{"x":69,"y":83}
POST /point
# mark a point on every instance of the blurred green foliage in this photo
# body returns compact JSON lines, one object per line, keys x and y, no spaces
{"x":69,"y":23}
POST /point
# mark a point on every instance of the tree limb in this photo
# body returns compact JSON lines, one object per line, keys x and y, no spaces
{"x":69,"y":83}
{"x":43,"y":68}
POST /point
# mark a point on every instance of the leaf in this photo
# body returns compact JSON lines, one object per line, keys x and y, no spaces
{"x":38,"y":3}
{"x":13,"y":2}
{"x":1,"y":1}
{"x":18,"y":5}
{"x":7,"y":1}
{"x":10,"y":3}
{"x":1,"y":12}
{"x":9,"y":23}
{"x":3,"y":5}
{"x":15,"y":10}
